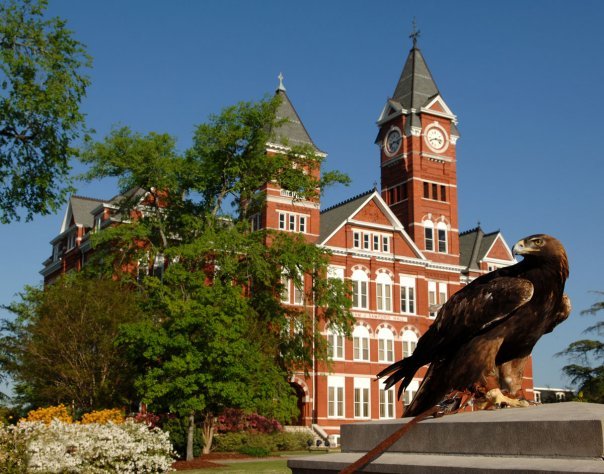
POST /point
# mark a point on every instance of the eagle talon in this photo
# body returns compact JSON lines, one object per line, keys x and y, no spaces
{"x":498,"y":399}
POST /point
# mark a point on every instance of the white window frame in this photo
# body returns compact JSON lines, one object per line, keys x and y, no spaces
{"x":285,"y":287}
{"x":429,"y":236}
{"x":361,"y":400}
{"x":376,"y":242}
{"x":366,"y":241}
{"x":442,"y":244}
{"x":442,"y":293}
{"x":336,"y":396}
{"x":432,"y":299}
{"x":356,"y":240}
{"x":360,"y":344}
{"x":360,"y":286}
{"x":386,"y":243}
{"x":302,"y":224}
{"x":298,"y":291}
{"x":386,"y":402}
{"x":385,"y":345}
{"x":282,"y":221}
{"x":383,"y":290}
{"x":437,"y":296}
{"x":291,"y":221}
{"x":408,"y":295}
{"x":335,"y":343}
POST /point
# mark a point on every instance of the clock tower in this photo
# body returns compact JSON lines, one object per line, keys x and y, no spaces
{"x":417,"y":139}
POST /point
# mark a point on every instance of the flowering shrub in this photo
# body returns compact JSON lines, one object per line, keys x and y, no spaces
{"x":13,"y":451}
{"x":102,"y":417}
{"x":47,"y":414}
{"x":233,"y":420}
{"x":92,"y":448}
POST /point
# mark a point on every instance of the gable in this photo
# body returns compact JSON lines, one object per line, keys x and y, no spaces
{"x":372,"y":214}
{"x":499,"y":250}
{"x":438,"y":106}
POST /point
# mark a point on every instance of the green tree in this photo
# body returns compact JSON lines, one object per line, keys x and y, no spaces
{"x":588,"y":370}
{"x":60,"y":345}
{"x":41,"y":87}
{"x":219,"y":336}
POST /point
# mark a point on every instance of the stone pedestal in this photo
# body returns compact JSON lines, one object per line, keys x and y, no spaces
{"x":556,"y":438}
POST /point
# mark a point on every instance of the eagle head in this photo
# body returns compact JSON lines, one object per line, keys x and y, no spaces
{"x":543,"y":247}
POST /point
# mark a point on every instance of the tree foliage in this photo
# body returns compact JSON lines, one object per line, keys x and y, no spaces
{"x":219,"y":336}
{"x":60,"y":345}
{"x":588,"y":370}
{"x":41,"y":87}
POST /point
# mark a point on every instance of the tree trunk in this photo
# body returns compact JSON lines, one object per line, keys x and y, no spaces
{"x":190,"y":434}
{"x":208,"y":432}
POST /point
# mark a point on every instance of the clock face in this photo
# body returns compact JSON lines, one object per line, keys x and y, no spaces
{"x":393,"y":141}
{"x":436,"y":139}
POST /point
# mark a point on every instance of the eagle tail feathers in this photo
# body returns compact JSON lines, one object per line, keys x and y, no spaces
{"x":403,"y":369}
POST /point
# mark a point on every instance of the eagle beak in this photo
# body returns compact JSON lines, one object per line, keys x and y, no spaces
{"x":520,"y":248}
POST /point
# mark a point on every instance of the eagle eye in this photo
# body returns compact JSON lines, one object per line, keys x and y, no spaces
{"x":538,"y":242}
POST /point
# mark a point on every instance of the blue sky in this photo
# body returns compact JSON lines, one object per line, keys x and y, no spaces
{"x":524,"y":78}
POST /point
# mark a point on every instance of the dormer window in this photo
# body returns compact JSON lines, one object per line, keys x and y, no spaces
{"x":71,"y":240}
{"x":98,"y":219}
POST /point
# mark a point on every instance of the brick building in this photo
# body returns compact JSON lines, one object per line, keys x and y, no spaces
{"x":400,"y":247}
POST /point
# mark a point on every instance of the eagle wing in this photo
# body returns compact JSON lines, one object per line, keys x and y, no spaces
{"x":471,"y":311}
{"x":479,"y":306}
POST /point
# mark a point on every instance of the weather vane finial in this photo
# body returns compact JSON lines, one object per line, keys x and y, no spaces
{"x":281,"y":86}
{"x":415,"y":33}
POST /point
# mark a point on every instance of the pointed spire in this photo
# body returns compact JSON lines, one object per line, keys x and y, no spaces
{"x":416,"y":85}
{"x":292,"y":131}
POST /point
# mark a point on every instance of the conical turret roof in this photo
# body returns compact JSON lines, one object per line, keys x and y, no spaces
{"x":416,"y":85}
{"x":292,"y":132}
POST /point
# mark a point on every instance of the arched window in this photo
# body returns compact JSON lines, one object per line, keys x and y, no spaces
{"x":409,"y":342}
{"x":359,"y":289}
{"x":441,"y":231}
{"x":429,"y":235}
{"x":360,"y":343}
{"x":385,"y":345}
{"x":383,"y":286}
{"x":335,"y":343}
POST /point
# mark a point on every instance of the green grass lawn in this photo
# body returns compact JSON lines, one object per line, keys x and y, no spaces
{"x":277,"y":466}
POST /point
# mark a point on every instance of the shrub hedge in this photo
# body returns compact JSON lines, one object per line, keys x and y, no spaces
{"x":281,"y":441}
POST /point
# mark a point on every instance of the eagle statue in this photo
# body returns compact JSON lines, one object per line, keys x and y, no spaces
{"x":483,"y":335}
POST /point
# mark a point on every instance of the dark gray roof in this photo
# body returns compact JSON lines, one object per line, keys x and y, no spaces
{"x":455,"y":130}
{"x":293,"y":130}
{"x":474,"y":245}
{"x":416,"y":85}
{"x":333,"y":216}
{"x":81,"y":209}
{"x":135,"y":192}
